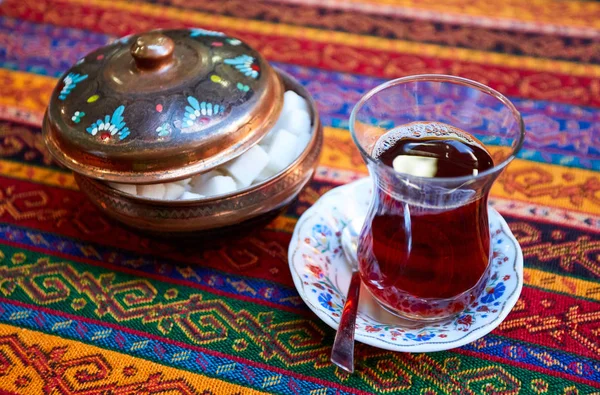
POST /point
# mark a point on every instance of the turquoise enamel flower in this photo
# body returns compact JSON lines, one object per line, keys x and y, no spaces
{"x":70,"y":81}
{"x":199,"y":111}
{"x":110,"y":126}
{"x":245,"y":64}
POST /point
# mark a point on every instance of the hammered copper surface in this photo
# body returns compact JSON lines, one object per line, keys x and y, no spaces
{"x":161,"y":106}
{"x":211,"y":213}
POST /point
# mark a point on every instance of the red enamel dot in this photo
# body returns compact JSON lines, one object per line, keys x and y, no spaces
{"x":255,"y":67}
{"x":159,"y":107}
{"x":104,"y":136}
{"x":217,"y":44}
{"x":100,"y":57}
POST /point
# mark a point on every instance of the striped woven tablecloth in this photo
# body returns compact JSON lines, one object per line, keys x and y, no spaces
{"x":88,"y":307}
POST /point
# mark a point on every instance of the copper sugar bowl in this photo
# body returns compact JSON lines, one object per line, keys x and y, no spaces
{"x":125,"y":114}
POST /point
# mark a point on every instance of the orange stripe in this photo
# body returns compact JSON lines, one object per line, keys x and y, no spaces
{"x":565,"y":13}
{"x":35,"y":359}
{"x":532,"y":182}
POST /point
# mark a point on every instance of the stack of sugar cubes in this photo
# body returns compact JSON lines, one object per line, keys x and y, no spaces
{"x":276,"y":151}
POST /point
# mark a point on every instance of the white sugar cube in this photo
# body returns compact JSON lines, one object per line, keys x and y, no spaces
{"x":296,"y":121}
{"x":185,"y":182}
{"x":202,"y":178}
{"x":190,"y":196}
{"x":247,"y":166}
{"x":153,"y":191}
{"x":282,"y":151}
{"x":217,"y":185}
{"x":264,"y":175}
{"x":173,"y":190}
{"x":127,"y":188}
{"x":292,"y":100}
{"x":268,"y":138}
{"x":303,"y":140}
{"x":419,"y":166}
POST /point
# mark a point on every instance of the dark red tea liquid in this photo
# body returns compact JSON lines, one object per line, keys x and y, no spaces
{"x":411,"y":251}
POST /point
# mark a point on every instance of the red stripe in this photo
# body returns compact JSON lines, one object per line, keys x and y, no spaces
{"x":161,"y":278}
{"x":554,"y":320}
{"x":244,"y":361}
{"x":339,"y":57}
{"x":66,"y":212}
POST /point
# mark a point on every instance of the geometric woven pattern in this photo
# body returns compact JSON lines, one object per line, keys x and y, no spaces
{"x":88,"y":306}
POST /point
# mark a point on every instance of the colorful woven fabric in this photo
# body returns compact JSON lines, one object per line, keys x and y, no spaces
{"x":89,"y":307}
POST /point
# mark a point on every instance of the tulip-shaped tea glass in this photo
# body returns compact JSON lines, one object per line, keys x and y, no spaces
{"x":424,"y":250}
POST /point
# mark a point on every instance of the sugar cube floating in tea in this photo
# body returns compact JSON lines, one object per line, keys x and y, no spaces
{"x":276,"y":151}
{"x":432,"y":149}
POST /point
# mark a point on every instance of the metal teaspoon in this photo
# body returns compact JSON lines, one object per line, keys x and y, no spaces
{"x":342,"y":353}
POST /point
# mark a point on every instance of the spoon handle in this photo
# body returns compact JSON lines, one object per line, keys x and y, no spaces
{"x":342,"y":353}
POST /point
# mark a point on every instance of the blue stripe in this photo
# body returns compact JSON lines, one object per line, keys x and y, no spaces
{"x":207,"y":277}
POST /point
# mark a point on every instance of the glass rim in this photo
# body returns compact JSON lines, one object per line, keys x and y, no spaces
{"x":453,"y":80}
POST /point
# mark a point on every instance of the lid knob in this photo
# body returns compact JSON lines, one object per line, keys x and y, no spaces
{"x":152,"y":51}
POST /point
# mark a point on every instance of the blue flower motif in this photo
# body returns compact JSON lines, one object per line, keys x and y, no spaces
{"x":70,"y":81}
{"x":197,"y":111}
{"x":421,"y":337}
{"x":325,"y":300}
{"x":245,"y":65}
{"x":320,"y":230}
{"x":195,"y":32}
{"x":163,"y":130}
{"x":321,"y":234}
{"x":493,"y":293}
{"x":110,"y":126}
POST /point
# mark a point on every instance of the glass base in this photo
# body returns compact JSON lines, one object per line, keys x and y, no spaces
{"x":415,"y":319}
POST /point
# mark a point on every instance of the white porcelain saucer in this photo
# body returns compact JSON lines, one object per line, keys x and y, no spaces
{"x":322,"y":276}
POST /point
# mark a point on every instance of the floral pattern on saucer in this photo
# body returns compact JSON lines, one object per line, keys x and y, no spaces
{"x":322,"y":276}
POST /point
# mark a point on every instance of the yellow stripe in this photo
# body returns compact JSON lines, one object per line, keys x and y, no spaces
{"x":556,"y":283}
{"x":37,"y":174}
{"x":549,"y":185}
{"x":37,"y":356}
{"x":283,"y":224}
{"x":27,"y":91}
{"x":359,"y":41}
{"x":564,"y":13}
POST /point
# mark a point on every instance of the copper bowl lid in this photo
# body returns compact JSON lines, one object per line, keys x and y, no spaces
{"x":160,"y":106}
